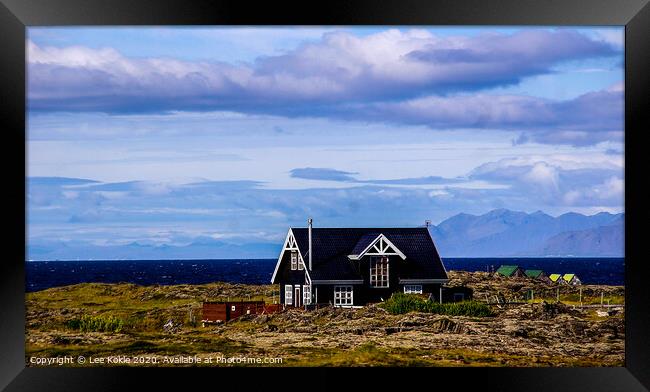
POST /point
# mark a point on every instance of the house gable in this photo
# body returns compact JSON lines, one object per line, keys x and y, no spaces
{"x":380,"y":246}
{"x":290,"y":244}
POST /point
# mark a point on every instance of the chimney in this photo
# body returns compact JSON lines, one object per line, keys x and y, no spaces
{"x":309,"y":222}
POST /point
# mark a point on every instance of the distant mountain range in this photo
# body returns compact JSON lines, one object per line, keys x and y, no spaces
{"x":498,"y":233}
{"x":505,"y":233}
{"x":201,"y":248}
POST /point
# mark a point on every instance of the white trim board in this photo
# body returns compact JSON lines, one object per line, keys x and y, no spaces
{"x":379,"y":247}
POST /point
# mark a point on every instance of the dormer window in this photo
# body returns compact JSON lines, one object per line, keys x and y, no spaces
{"x":294,"y":260}
{"x":379,"y":271}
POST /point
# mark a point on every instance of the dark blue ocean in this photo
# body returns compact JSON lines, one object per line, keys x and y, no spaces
{"x":45,"y":274}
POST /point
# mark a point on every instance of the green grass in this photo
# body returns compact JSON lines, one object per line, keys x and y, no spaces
{"x":96,"y":324}
{"x":400,"y":303}
{"x":141,"y":308}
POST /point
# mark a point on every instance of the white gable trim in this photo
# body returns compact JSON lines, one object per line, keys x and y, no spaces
{"x":381,"y":246}
{"x":290,"y":243}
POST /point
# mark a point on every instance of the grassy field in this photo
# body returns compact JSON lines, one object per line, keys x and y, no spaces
{"x":158,"y":322}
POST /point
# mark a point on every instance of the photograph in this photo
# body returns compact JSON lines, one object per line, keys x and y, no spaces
{"x":325,"y":196}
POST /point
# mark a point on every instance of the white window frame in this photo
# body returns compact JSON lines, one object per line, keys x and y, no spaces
{"x":306,"y":294}
{"x":343,"y":300}
{"x":412,"y":289}
{"x":294,"y":260}
{"x":301,"y":265}
{"x":374,"y":276}
{"x":288,"y":294}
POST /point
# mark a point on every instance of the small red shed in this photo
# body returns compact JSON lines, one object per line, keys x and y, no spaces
{"x":224,"y":311}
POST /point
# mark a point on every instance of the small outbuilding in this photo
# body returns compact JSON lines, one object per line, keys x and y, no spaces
{"x":571,"y":279}
{"x":538,"y":275}
{"x":556,"y":278}
{"x":457,"y":294}
{"x":511,"y":271}
{"x":215,"y":312}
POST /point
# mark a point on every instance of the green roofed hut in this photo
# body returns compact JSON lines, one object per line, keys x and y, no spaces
{"x":538,"y":275}
{"x":511,"y":271}
{"x":556,"y":278}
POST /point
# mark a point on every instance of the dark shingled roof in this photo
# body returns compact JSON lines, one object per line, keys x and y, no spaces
{"x":363,"y":243}
{"x":331,"y":247}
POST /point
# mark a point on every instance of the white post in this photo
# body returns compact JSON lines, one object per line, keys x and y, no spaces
{"x":580,"y":296}
{"x":601,"y":298}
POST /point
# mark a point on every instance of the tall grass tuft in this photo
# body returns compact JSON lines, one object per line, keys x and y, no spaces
{"x":96,"y":324}
{"x":400,"y":303}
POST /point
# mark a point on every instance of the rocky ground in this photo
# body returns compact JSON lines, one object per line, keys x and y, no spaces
{"x":161,"y":322}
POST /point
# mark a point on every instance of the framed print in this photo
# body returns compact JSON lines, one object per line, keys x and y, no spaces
{"x":445,"y":190}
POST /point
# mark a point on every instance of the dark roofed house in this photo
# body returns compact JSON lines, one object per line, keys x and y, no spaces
{"x":356,"y":266}
{"x":511,"y":271}
{"x":538,"y":274}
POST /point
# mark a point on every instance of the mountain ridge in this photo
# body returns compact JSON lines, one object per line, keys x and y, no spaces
{"x":506,"y":233}
{"x":497,"y":233}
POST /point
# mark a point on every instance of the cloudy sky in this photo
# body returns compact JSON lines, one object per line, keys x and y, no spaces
{"x":177,"y":136}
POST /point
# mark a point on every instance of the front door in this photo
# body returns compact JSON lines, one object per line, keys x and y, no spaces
{"x":297,"y":297}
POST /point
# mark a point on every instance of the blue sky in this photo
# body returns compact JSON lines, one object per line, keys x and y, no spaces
{"x":177,"y":136}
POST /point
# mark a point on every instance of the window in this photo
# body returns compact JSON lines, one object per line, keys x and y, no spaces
{"x":294,"y":260}
{"x":413,"y":289}
{"x":459,"y":297}
{"x":306,"y":294}
{"x":301,"y":266}
{"x":379,"y":271}
{"x":342,"y":295}
{"x":288,"y":295}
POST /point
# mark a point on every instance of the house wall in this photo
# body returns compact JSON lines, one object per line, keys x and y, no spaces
{"x":394,"y":270}
{"x":365,"y":294}
{"x":287,"y":276}
{"x":457,"y":294}
{"x":224,"y":311}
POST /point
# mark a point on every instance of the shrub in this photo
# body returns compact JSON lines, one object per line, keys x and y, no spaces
{"x":96,"y":324}
{"x":400,"y":303}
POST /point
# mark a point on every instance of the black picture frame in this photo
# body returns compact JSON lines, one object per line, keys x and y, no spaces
{"x":16,"y":15}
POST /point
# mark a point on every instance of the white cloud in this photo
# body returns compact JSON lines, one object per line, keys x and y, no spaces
{"x":543,"y":175}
